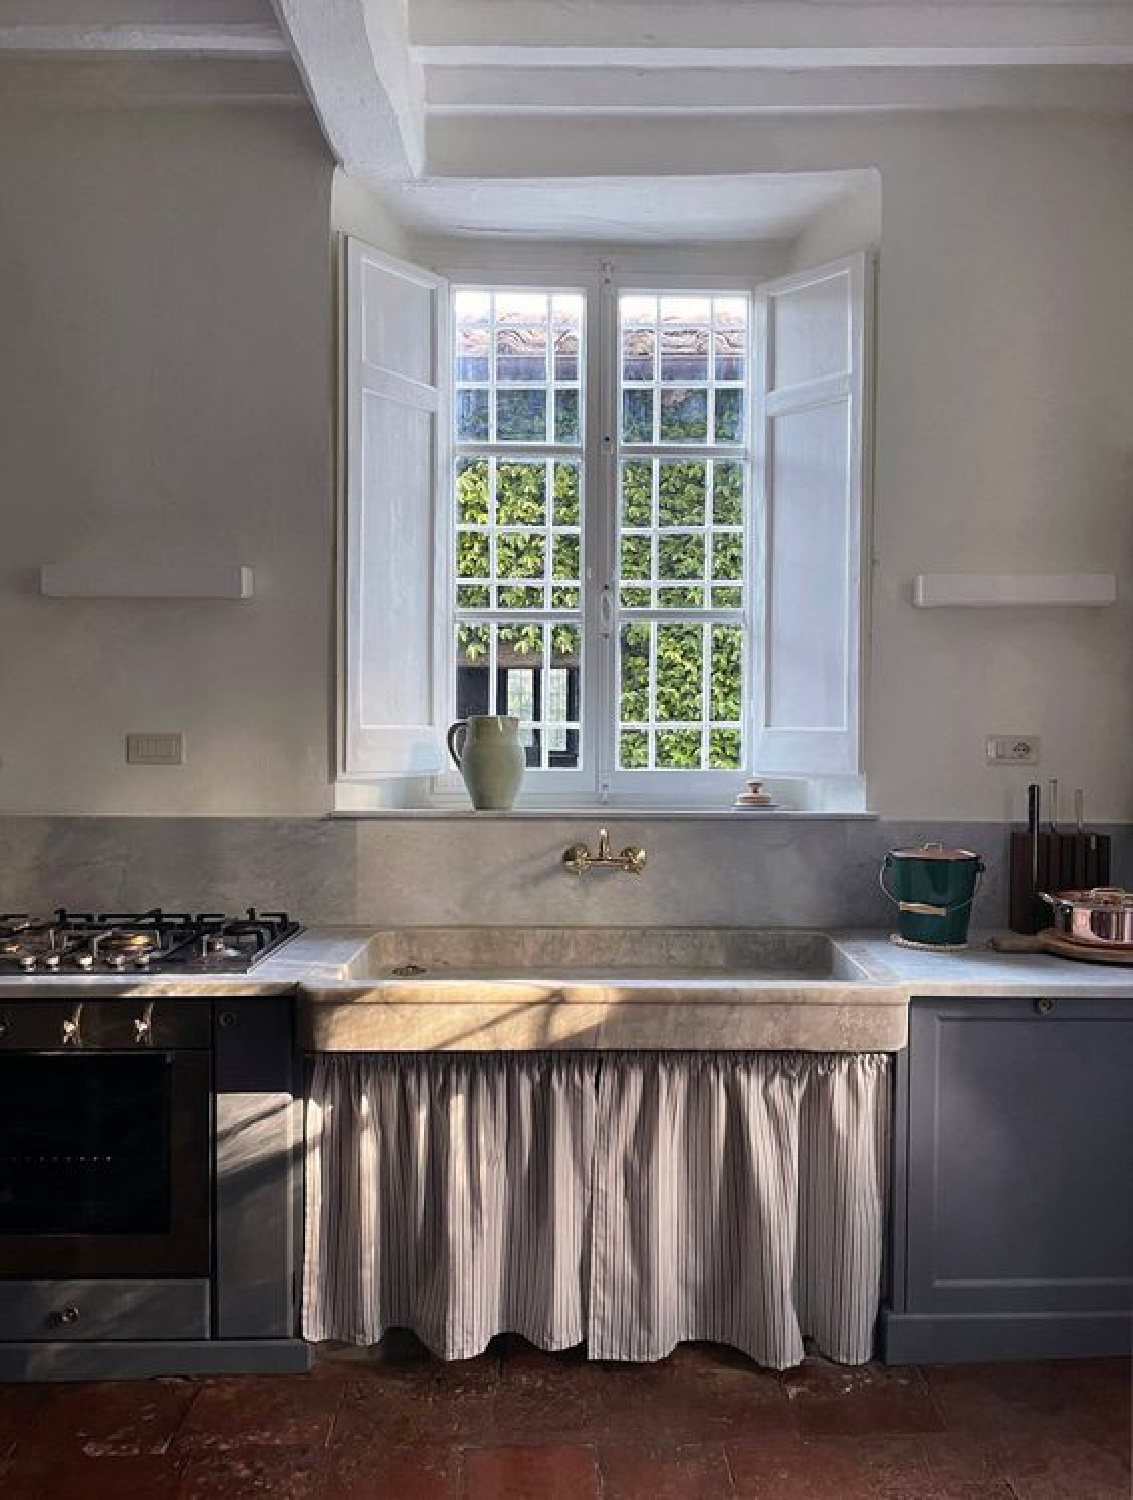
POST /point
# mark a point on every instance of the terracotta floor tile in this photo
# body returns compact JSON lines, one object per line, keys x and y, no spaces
{"x":431,"y":1403}
{"x":688,"y":1472}
{"x":277,"y":1410}
{"x":830,"y":1400}
{"x":786,"y":1467}
{"x":112,"y":1417}
{"x":530,"y":1473}
{"x":361,"y":1470}
{"x":284,"y":1473}
{"x":44,"y":1475}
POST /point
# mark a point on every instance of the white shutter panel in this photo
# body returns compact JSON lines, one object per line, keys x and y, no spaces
{"x":395,"y":344}
{"x":811,"y":459}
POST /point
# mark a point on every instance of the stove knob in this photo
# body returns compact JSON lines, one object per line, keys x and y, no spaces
{"x":85,"y":961}
{"x":27,"y":960}
{"x":51,"y":961}
{"x":117,"y":960}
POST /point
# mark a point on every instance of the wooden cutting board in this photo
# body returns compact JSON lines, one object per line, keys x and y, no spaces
{"x":1050,"y":941}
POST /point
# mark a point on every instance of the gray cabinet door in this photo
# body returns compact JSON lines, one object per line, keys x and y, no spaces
{"x":1019,"y":1169}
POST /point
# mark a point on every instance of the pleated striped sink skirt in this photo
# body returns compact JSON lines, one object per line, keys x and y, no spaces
{"x":632,"y":1200}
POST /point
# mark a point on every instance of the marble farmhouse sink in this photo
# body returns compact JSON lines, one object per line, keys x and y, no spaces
{"x":512,"y":988}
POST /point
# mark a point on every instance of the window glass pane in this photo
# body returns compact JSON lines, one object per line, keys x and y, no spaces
{"x":682,"y":493}
{"x":566,"y":494}
{"x":473,"y":554}
{"x":521,"y":416}
{"x":639,"y":348}
{"x":472,"y":416}
{"x":637,"y":416}
{"x":729,"y":415}
{"x":679,"y":672}
{"x":567,"y":428}
{"x":684,"y":354}
{"x":520,"y":554}
{"x":637,"y":494}
{"x":727,"y":493}
{"x":473,"y":312}
{"x":566,"y":335}
{"x":521,"y":493}
{"x":684,"y":415}
{"x":473,"y":491}
{"x":521,"y":337}
{"x":532,"y":670}
{"x":725,"y":673}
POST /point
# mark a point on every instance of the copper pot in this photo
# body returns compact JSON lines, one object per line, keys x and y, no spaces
{"x":1102,"y":918}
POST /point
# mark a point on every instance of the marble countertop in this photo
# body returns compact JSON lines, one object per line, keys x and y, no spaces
{"x":979,"y":970}
{"x":861,"y":1006}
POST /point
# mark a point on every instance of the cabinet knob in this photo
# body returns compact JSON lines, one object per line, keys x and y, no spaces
{"x":70,"y":1314}
{"x":1044,"y":1007}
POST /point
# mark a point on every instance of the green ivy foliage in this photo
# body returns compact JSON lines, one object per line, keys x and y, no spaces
{"x":685,"y":497}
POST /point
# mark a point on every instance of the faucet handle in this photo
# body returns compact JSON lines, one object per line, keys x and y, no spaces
{"x":633,"y":857}
{"x":603,"y":844}
{"x":577,"y":858}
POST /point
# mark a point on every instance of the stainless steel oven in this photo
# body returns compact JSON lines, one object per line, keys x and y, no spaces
{"x":105,"y":1138}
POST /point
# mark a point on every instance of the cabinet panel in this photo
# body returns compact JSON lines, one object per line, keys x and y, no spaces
{"x":1019,"y":1158}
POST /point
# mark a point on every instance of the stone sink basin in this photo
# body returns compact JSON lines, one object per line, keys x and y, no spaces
{"x":512,"y":988}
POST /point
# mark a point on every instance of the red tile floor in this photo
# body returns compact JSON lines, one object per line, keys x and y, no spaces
{"x":516,"y":1424}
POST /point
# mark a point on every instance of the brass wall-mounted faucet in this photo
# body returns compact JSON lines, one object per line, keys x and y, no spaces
{"x":578,"y":857}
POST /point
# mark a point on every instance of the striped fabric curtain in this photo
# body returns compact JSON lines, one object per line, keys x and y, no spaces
{"x":632,"y":1200}
{"x":448,"y":1193}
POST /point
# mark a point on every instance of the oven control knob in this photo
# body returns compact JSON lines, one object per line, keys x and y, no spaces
{"x":69,"y":1315}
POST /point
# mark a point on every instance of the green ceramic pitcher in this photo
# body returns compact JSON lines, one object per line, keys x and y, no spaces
{"x":489,"y":756}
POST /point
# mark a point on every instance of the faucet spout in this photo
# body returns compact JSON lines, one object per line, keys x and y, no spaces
{"x":578,"y":857}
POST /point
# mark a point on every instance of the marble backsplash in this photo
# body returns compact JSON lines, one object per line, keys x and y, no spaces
{"x":404,"y":871}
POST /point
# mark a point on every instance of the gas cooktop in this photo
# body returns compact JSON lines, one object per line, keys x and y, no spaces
{"x":151,"y":942}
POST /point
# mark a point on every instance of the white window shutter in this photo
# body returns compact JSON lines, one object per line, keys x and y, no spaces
{"x":810,"y":464}
{"x":394,"y":323}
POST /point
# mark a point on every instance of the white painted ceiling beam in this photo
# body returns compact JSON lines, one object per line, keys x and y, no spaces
{"x":366,"y":88}
{"x":617,"y":90}
{"x":773,"y":33}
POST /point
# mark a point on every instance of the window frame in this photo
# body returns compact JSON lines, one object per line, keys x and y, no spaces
{"x":598,"y":782}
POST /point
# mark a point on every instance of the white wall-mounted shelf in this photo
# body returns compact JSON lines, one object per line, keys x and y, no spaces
{"x":139,"y":580}
{"x":951,"y":590}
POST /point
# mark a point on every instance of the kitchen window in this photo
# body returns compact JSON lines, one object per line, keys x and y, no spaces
{"x":627,"y":511}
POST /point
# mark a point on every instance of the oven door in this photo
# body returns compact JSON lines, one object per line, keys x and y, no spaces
{"x":105,"y":1162}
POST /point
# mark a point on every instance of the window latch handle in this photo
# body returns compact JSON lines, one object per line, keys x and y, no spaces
{"x":606,"y":611}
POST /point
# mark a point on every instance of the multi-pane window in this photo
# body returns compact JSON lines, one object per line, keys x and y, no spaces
{"x":612,"y":573}
{"x":670,"y":509}
{"x":518,"y":491}
{"x":682,"y":470}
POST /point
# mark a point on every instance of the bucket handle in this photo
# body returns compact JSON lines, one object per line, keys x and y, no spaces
{"x":922,"y":908}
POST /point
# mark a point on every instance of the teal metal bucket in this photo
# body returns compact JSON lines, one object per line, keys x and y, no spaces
{"x":933,"y":891}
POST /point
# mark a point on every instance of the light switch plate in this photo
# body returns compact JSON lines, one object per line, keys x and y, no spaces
{"x":155,"y":749}
{"x":1012,"y":749}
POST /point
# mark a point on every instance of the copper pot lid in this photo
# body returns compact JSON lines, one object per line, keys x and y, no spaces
{"x":932,"y":851}
{"x":1111,"y":897}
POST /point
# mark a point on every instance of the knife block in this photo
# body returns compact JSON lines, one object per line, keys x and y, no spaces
{"x":1067,"y":862}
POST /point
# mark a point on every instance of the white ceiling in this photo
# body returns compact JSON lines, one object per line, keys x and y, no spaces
{"x":448,"y":103}
{"x":626,"y":210}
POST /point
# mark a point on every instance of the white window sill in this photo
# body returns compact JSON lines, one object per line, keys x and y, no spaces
{"x":604,"y":812}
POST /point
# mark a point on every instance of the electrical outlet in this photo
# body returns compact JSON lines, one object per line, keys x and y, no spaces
{"x":155,"y":750}
{"x":1012,"y":749}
